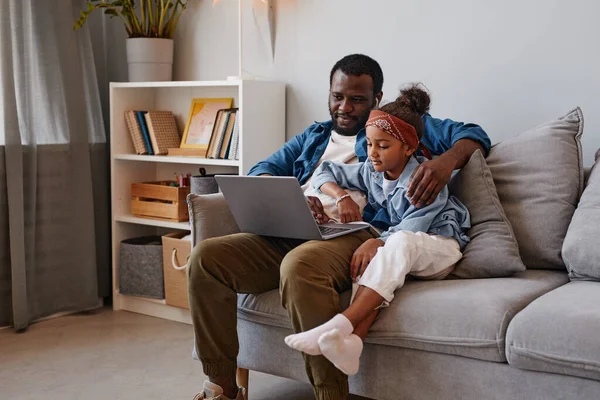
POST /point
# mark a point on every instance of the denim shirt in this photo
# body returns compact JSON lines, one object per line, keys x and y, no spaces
{"x":446,"y":216}
{"x":300,"y":156}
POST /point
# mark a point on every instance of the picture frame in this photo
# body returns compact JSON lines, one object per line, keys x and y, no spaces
{"x":200,"y":122}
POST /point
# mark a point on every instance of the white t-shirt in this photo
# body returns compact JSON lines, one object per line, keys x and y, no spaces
{"x":339,"y":149}
{"x":388,"y":186}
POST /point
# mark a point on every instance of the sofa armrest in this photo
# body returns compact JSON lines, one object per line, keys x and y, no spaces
{"x":210,"y":217}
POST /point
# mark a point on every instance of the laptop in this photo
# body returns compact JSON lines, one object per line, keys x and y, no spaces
{"x":276,"y":206}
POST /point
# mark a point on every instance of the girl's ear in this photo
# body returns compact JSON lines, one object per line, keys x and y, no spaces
{"x":408,"y":151}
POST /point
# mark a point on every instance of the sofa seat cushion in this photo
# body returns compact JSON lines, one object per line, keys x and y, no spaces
{"x":559,"y":332}
{"x":461,"y":317}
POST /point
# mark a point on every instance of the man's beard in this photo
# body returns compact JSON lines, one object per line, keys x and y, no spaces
{"x":360,"y":122}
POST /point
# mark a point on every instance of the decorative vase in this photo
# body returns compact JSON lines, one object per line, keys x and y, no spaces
{"x":150,"y":59}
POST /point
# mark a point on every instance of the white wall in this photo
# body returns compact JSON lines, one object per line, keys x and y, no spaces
{"x":506,"y":65}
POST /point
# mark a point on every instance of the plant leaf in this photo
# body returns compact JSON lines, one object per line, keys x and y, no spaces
{"x":160,"y":20}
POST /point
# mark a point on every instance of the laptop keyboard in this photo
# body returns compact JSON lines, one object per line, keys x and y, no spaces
{"x":327,"y":230}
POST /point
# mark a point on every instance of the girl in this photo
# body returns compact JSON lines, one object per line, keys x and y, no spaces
{"x":424,"y":242}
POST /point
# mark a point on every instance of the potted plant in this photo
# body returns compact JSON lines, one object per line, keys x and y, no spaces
{"x":150,"y":25}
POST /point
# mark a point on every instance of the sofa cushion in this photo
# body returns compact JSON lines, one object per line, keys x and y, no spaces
{"x":210,"y":216}
{"x":539,"y":178}
{"x":581,"y":251}
{"x":460,"y":317}
{"x":559,"y":332}
{"x":493,"y":250}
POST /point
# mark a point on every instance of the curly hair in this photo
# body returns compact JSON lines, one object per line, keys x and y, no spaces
{"x":412,"y":103}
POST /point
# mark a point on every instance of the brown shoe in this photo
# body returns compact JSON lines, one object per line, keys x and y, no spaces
{"x":212,"y":391}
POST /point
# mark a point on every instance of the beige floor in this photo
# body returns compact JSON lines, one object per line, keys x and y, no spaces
{"x":113,"y":355}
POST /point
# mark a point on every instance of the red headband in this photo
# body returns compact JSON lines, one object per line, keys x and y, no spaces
{"x":399,"y":129}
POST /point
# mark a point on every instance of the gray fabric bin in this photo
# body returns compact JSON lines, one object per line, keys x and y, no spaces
{"x":140,"y":267}
{"x":203,"y":183}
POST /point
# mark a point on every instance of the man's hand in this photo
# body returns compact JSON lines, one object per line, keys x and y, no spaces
{"x":363,"y":256}
{"x":349,"y":210}
{"x":428,"y":179}
{"x":317,"y":209}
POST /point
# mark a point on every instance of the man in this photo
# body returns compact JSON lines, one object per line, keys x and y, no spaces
{"x":309,"y":274}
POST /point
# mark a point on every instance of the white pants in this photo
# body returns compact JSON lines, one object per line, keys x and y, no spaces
{"x":418,"y":254}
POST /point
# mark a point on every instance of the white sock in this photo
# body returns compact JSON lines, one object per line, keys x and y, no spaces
{"x":308,"y":342}
{"x":212,"y":390}
{"x":342,"y":350}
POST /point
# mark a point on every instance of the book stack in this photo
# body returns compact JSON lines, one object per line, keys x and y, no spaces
{"x":152,"y":132}
{"x":225,"y":138}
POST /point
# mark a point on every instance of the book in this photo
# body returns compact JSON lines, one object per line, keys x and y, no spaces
{"x":214,"y":134}
{"x":227,"y":137}
{"x":152,"y":139}
{"x":236,"y":156}
{"x":228,"y":147}
{"x":186,"y":152}
{"x":221,"y":136}
{"x":135,"y":132}
{"x":163,"y":132}
{"x":235,"y":139}
{"x":142,"y":122}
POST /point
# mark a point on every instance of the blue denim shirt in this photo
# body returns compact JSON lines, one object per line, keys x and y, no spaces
{"x":446,"y":216}
{"x":300,"y":155}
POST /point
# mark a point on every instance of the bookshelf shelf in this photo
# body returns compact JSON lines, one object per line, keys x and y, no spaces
{"x":180,"y":84}
{"x":153,"y":222}
{"x":177,"y":160}
{"x":153,"y":307}
{"x":148,"y":299}
{"x":261,"y":107}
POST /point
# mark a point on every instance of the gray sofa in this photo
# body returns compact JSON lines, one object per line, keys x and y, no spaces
{"x":533,"y":335}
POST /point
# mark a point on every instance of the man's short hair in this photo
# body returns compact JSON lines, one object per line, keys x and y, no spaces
{"x":357,"y":65}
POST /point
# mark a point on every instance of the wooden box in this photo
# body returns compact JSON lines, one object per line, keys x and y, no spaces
{"x":159,"y":200}
{"x":175,"y":257}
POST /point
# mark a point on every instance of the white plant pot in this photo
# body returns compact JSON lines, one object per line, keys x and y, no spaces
{"x":150,"y":59}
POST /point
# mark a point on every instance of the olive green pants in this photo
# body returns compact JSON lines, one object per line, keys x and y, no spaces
{"x":309,"y":274}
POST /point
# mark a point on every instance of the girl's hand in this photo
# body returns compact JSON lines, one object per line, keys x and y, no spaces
{"x":349,"y":211}
{"x":363,"y":256}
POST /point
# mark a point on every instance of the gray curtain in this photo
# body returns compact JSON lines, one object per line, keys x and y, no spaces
{"x":54,"y":217}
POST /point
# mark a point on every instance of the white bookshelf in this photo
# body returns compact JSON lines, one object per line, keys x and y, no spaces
{"x":262,"y":131}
